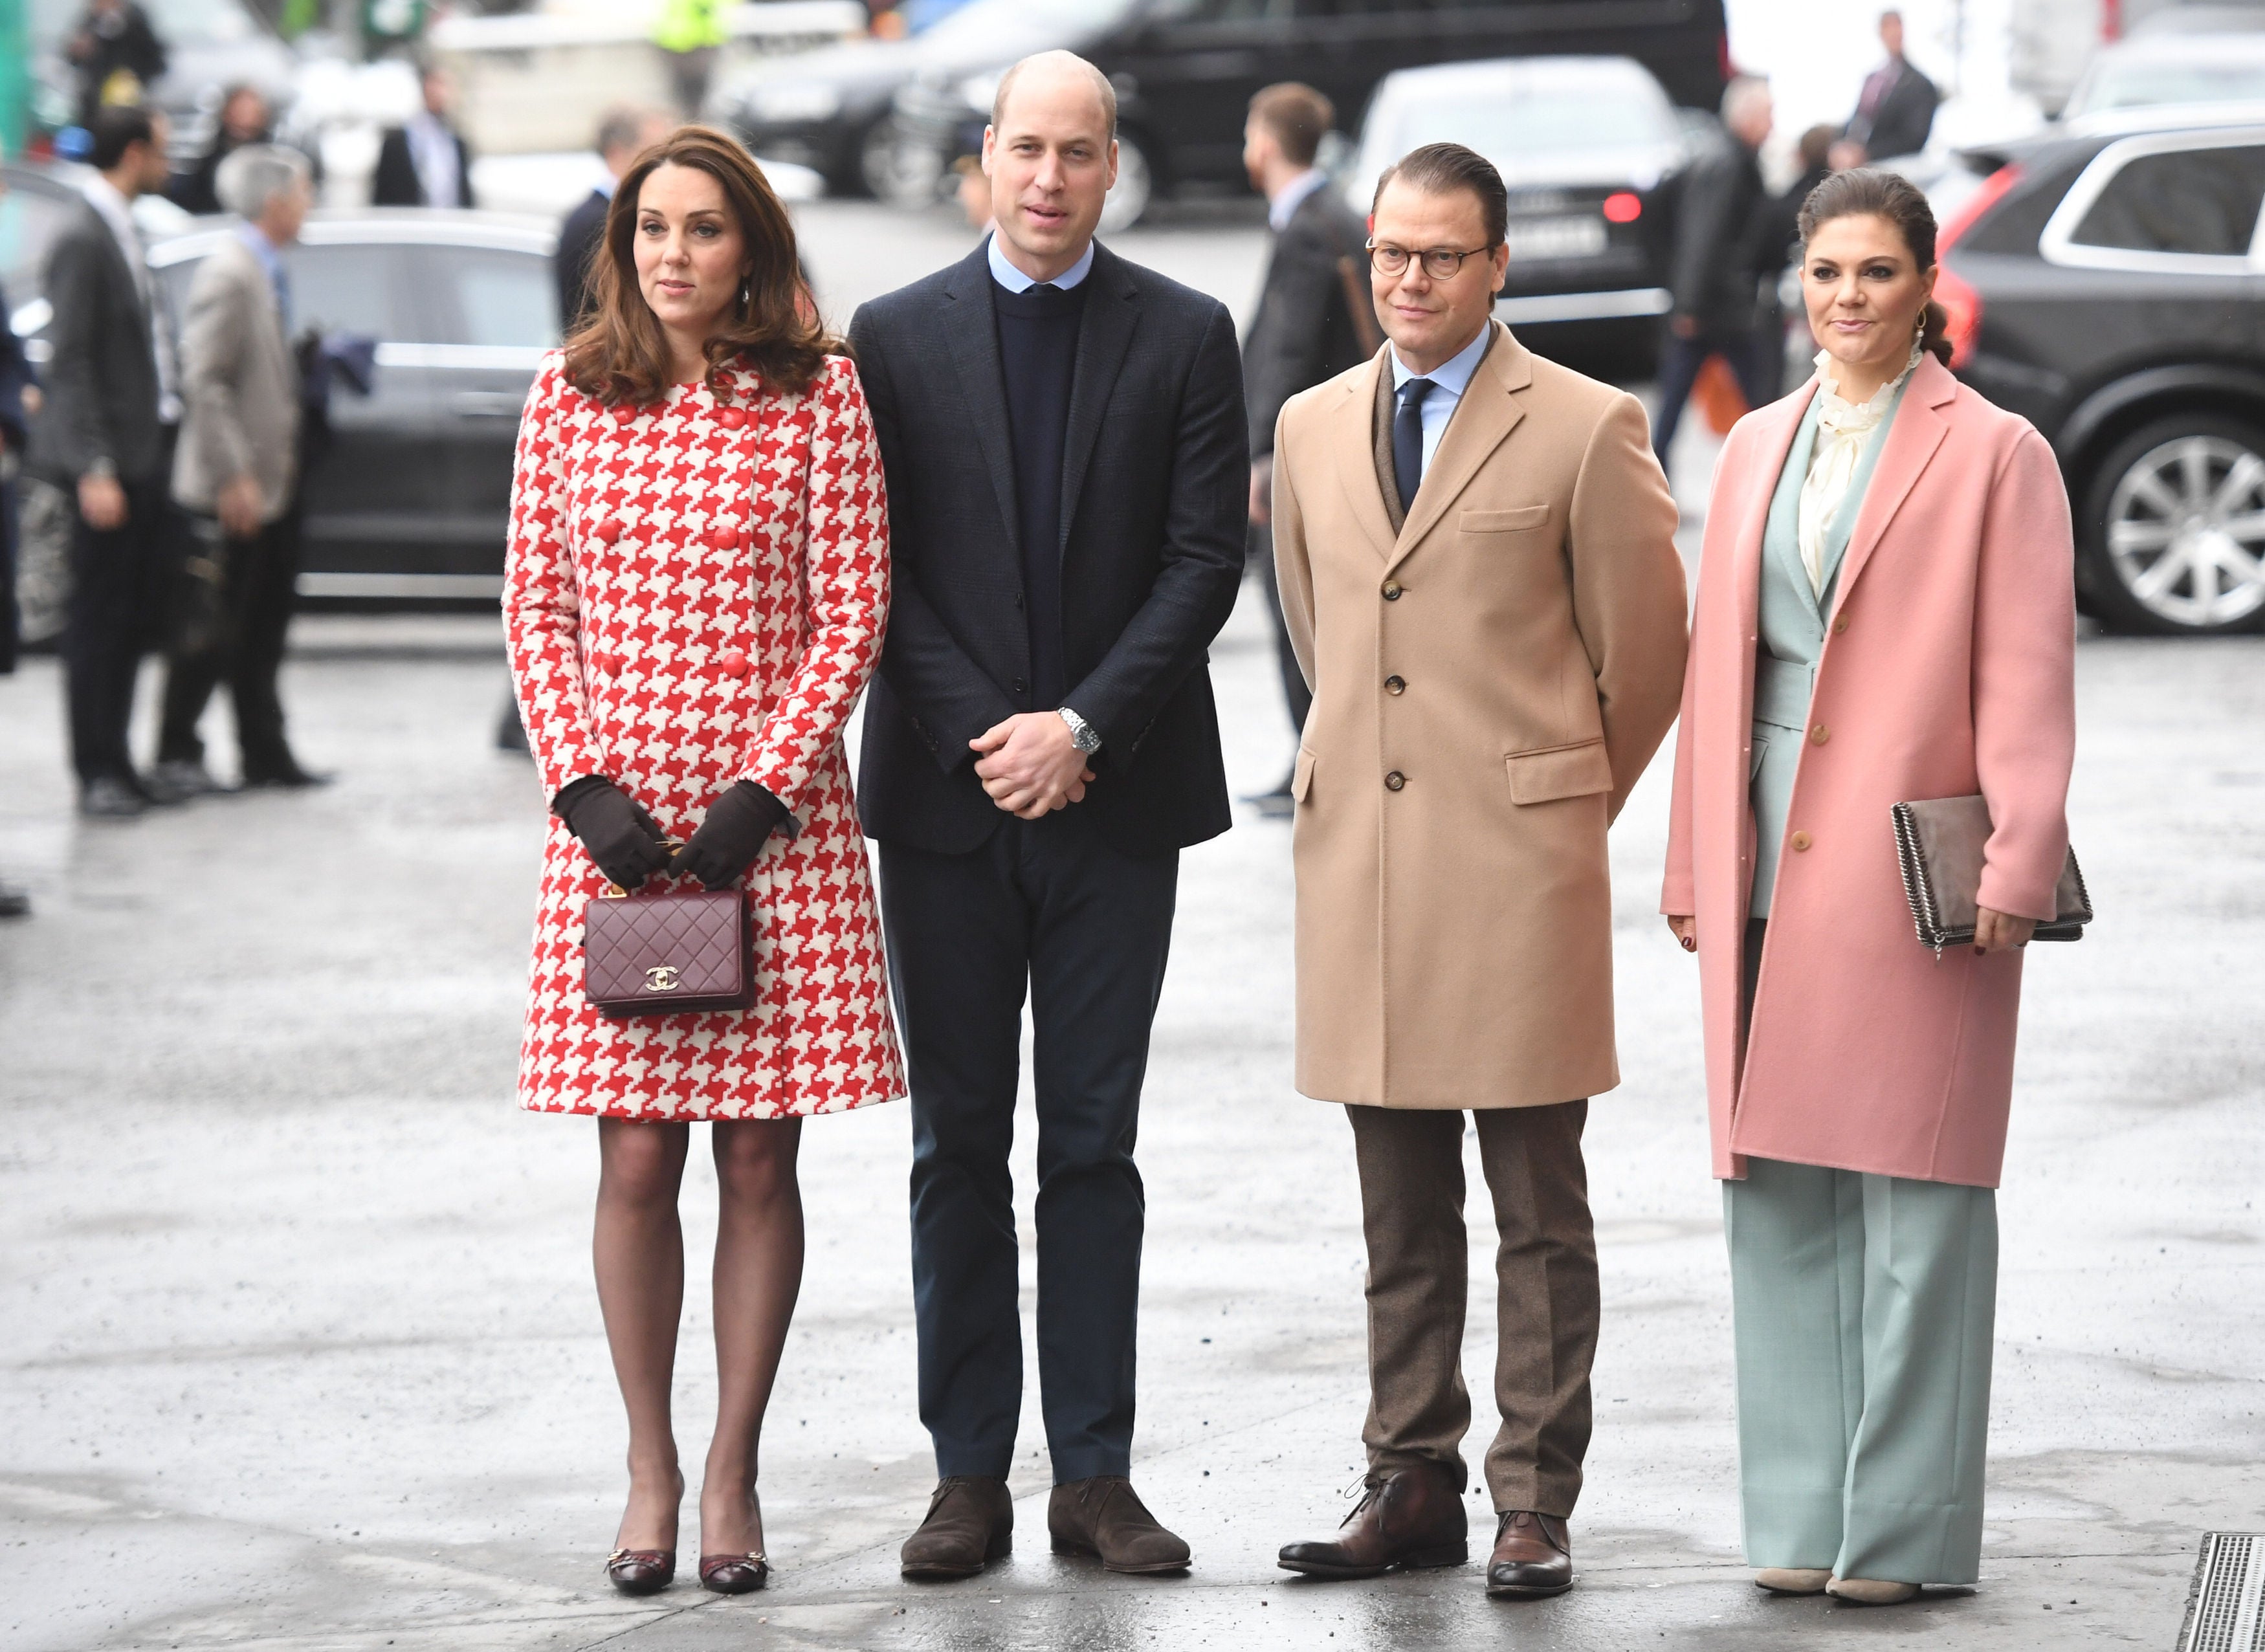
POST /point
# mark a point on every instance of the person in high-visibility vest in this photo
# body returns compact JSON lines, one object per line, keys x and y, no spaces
{"x":690,"y":31}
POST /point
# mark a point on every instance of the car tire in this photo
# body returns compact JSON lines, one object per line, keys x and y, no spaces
{"x":1136,"y":186}
{"x":2174,"y":529}
{"x":891,"y":172}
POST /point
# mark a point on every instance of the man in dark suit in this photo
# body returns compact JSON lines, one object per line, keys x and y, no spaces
{"x":18,"y":396}
{"x":1039,"y":744}
{"x":1715,"y":208}
{"x":107,"y":432}
{"x":424,"y":162}
{"x":1895,"y":110}
{"x":624,"y":132}
{"x":1313,"y":323}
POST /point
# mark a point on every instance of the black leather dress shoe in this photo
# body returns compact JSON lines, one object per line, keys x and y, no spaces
{"x":14,"y":902}
{"x":289,"y":777}
{"x":110,"y":798}
{"x":641,"y":1571}
{"x":733,"y":1574}
{"x":1533,"y":1556}
{"x":158,"y":790}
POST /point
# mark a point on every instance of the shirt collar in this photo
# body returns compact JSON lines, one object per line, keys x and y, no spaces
{"x":108,"y":200}
{"x":1452,"y":376}
{"x":270,"y":257}
{"x":606,"y":186}
{"x":1015,"y":281}
{"x":1283,"y":204}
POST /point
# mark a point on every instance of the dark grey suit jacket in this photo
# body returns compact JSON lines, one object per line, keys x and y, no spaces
{"x":1155,"y":477}
{"x":1304,"y":334}
{"x":1900,"y":125}
{"x":102,"y":384}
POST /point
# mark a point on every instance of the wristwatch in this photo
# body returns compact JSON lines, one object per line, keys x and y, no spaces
{"x":1082,"y":734}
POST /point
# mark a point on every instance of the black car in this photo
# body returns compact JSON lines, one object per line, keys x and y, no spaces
{"x":1184,"y":72}
{"x":2107,"y":285}
{"x":408,"y":506}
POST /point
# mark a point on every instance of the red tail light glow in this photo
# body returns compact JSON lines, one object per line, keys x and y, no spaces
{"x":1959,"y":300}
{"x":1623,"y":207}
{"x":1969,"y":212}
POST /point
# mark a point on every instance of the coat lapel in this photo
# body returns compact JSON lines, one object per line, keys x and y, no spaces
{"x":1918,"y":430}
{"x":1352,"y":454}
{"x":1487,"y":414}
{"x":1112,"y":310}
{"x":971,"y":331}
{"x":1773,"y":445}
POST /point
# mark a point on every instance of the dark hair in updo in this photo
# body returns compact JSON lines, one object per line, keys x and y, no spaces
{"x":1866,"y":191}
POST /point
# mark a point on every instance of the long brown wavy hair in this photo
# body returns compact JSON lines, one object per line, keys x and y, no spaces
{"x":621,"y":354}
{"x":1867,"y":190}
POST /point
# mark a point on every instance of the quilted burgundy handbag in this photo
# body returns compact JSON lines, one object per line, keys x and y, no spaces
{"x":668,"y":953}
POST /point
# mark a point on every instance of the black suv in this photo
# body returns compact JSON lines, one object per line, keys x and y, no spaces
{"x":1184,"y":71}
{"x":2108,"y":285}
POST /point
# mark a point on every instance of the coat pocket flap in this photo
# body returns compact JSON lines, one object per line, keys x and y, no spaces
{"x":1559,"y":771}
{"x":1502,"y":522}
{"x":1302,"y":780}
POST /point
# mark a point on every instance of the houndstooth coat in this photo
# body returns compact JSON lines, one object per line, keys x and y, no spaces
{"x":696,"y":594}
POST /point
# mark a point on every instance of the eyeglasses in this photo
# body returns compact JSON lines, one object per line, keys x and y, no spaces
{"x":1439,"y":263}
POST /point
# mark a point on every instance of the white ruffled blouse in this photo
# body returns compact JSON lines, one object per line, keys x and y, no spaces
{"x":1842,"y":426}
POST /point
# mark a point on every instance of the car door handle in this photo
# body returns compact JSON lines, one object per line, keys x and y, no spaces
{"x":487,"y":404}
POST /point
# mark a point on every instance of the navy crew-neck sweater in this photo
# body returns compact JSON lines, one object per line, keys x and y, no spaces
{"x":1038,"y":356}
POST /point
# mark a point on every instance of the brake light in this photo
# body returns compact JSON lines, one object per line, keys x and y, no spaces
{"x":1623,"y":207}
{"x":1992,"y":192}
{"x":1963,"y":306}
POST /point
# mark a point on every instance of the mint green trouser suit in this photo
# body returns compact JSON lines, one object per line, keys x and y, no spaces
{"x":1864,"y":1304}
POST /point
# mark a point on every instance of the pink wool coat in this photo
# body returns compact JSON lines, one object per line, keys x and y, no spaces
{"x":1949,"y":669}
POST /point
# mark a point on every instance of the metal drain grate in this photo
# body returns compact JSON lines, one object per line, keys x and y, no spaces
{"x":2224,"y":1611}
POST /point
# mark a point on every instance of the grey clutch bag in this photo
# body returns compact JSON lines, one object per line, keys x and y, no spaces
{"x":1939,"y":846}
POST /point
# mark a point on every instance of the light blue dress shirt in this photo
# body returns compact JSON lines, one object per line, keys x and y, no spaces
{"x":1449,"y":379}
{"x":1015,"y":281}
{"x":271,"y":260}
{"x":1285,"y":204}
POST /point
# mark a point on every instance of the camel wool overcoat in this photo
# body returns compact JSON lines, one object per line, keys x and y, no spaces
{"x":1490,"y":679}
{"x":1949,"y":669}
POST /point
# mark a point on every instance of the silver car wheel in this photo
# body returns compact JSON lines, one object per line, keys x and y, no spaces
{"x":1135,"y":184}
{"x":2186,"y":532}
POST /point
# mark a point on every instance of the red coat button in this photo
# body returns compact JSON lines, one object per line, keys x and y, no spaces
{"x":731,"y":417}
{"x":736,"y":663}
{"x":606,"y":530}
{"x":722,"y":538}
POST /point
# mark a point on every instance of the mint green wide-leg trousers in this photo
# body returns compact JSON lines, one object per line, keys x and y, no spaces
{"x":1864,"y":1307}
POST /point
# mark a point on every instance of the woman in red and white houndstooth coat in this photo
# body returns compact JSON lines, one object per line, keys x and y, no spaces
{"x":695,"y":595}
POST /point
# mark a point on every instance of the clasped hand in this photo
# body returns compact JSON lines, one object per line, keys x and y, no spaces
{"x":1030,"y":765}
{"x":1994,"y":931}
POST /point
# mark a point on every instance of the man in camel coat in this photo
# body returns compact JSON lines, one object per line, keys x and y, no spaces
{"x":1478,"y":568}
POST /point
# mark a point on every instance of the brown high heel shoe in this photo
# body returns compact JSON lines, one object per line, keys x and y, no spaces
{"x":734,"y":1574}
{"x":641,"y":1571}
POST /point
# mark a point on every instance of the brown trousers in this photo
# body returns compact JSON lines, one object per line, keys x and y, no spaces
{"x":1411,"y":1195}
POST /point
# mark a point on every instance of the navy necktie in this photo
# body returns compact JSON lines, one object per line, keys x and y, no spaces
{"x":1408,"y":441}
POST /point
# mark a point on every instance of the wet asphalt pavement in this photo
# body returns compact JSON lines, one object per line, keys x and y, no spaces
{"x":298,"y":1347}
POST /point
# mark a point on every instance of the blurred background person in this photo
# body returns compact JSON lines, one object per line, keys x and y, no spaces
{"x":1313,"y":320}
{"x":107,"y":432}
{"x":1716,"y":204}
{"x":974,"y":194}
{"x":424,"y":162}
{"x":1777,"y":245}
{"x":624,"y":132}
{"x":1895,"y":110}
{"x":690,"y":34}
{"x":244,"y":118}
{"x":117,"y":55}
{"x":236,"y":475}
{"x":18,"y":400}
{"x":1860,"y":1090}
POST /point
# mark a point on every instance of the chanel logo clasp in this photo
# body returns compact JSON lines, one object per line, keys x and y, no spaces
{"x":661,"y":978}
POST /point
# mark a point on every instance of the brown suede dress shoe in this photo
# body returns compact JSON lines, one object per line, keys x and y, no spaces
{"x":1533,"y":1556}
{"x":971,"y":1523}
{"x":1409,"y":1517}
{"x":1105,"y":1517}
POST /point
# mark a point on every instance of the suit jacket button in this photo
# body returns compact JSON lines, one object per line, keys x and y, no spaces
{"x":1021,"y":687}
{"x":1395,"y":780}
{"x":1818,"y":735}
{"x":1800,"y":842}
{"x":1395,"y":685}
{"x":1391,"y":590}
{"x":735,"y":663}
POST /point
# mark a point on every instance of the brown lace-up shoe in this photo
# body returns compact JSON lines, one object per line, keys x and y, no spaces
{"x":1104,"y":1517}
{"x":1409,"y":1517}
{"x":971,"y":1523}
{"x":1533,"y":1556}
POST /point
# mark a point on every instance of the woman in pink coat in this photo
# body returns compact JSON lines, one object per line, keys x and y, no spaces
{"x":1884,"y":614}
{"x":696,"y":594}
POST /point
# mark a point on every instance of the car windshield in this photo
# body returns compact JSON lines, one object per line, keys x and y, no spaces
{"x":1538,"y":120}
{"x":1065,"y":20}
{"x":2146,"y":85}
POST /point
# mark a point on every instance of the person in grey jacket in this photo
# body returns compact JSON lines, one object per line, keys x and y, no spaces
{"x":1716,"y":207}
{"x":106,"y":435}
{"x":236,"y":472}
